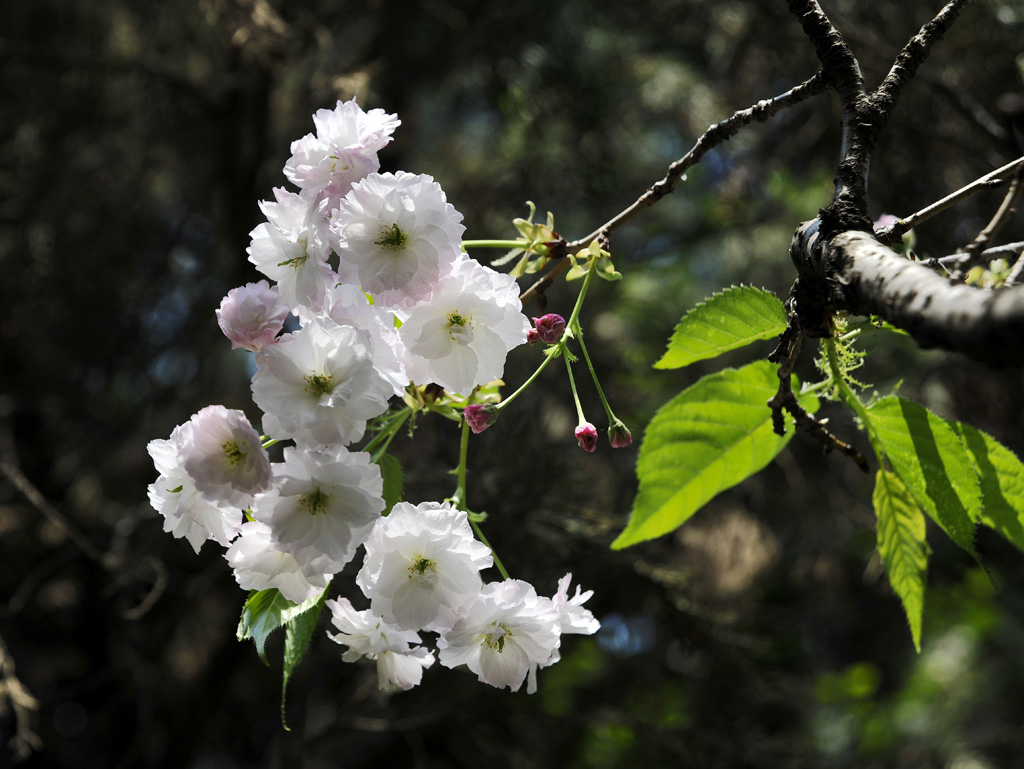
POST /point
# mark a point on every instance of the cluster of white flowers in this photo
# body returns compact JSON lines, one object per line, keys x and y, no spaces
{"x":371,"y":265}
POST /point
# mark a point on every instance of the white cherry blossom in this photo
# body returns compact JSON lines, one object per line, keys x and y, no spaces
{"x":505,"y":630}
{"x":259,"y":565}
{"x":322,"y":505}
{"x":422,"y":563}
{"x":186,"y":513}
{"x":397,"y":236}
{"x":318,"y":385}
{"x":223,"y":455}
{"x":291,"y":248}
{"x":366,"y":635}
{"x":343,"y":151}
{"x":459,"y":338}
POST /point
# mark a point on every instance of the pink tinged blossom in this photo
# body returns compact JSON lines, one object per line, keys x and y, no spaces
{"x":619,"y":435}
{"x":422,"y":563}
{"x":251,"y":316}
{"x":460,"y":337}
{"x":223,"y":455}
{"x":291,"y":248}
{"x":321,"y":506}
{"x":366,"y":635}
{"x":479,"y":416}
{"x":186,"y":513}
{"x":586,"y":435}
{"x":502,"y":633}
{"x":396,"y":236}
{"x":549,"y":327}
{"x":532,"y":337}
{"x":885,"y":221}
{"x":318,"y":385}
{"x":343,"y":151}
{"x":259,"y":565}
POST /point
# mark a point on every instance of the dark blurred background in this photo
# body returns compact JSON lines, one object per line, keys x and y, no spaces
{"x":136,"y":138}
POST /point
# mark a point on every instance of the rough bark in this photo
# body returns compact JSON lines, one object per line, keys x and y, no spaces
{"x":858,"y":274}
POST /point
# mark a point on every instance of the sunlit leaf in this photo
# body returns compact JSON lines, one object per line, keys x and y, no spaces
{"x":708,"y":438}
{"x":1001,"y":475}
{"x":725,"y":321}
{"x":391,"y":472}
{"x":298,"y":633}
{"x":926,"y":452}
{"x":902,"y":545}
{"x":263,"y":613}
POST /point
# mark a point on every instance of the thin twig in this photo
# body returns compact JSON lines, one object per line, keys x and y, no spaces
{"x":14,"y":694}
{"x":892,"y":234}
{"x":710,"y":139}
{"x":976,"y":247}
{"x":54,"y":516}
{"x":913,"y":55}
{"x":110,"y":562}
{"x":1009,"y":251}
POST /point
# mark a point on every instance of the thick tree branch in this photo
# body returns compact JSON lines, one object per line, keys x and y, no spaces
{"x":867,"y":278}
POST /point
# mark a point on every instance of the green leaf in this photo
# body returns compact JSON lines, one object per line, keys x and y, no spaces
{"x":391,"y":471}
{"x":298,"y":633}
{"x":1002,"y":483}
{"x":708,"y":438}
{"x":926,"y":452}
{"x":725,"y":321}
{"x":902,"y":545}
{"x":263,"y":613}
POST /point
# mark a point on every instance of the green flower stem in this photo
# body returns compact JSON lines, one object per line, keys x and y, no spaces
{"x":573,"y":324}
{"x":269,"y":443}
{"x":575,"y":396}
{"x":612,"y":419}
{"x":458,"y":499}
{"x":494,"y":555}
{"x":388,"y":430}
{"x":851,"y":399}
{"x":560,"y":349}
{"x":492,"y":244}
{"x":500,"y":407}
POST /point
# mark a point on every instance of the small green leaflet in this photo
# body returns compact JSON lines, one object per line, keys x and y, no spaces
{"x":264,"y":612}
{"x":902,"y":545}
{"x":707,"y":439}
{"x":391,"y":471}
{"x":725,"y":321}
{"x":1002,"y":483}
{"x":927,"y":455}
{"x":298,"y":633}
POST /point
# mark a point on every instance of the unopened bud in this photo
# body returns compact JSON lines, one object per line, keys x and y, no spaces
{"x":532,"y":337}
{"x":479,"y":416}
{"x":549,"y":327}
{"x":586,"y":434}
{"x":619,"y":435}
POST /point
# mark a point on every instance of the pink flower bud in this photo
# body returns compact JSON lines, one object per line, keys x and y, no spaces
{"x":619,"y":435}
{"x":479,"y":416}
{"x":532,"y":336}
{"x":586,"y":434}
{"x":549,"y":327}
{"x":252,"y":316}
